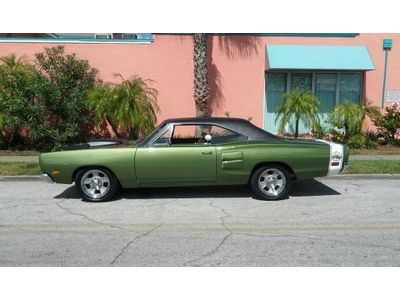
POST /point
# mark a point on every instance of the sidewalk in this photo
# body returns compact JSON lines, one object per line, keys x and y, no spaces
{"x":35,"y":159}
{"x":27,"y":159}
{"x":374,"y":157}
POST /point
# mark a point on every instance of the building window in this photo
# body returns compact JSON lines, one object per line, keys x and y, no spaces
{"x":332,"y":88}
{"x":350,"y":87}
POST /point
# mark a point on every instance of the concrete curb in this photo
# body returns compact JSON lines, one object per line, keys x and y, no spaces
{"x":363,"y":176}
{"x":21,"y":178}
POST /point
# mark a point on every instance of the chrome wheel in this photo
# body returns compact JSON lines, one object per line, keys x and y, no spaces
{"x":272,"y":182}
{"x":95,"y":184}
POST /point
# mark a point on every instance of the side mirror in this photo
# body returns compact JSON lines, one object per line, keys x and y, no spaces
{"x":208,"y":138}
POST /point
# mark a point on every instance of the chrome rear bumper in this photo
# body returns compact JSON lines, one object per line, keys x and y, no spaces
{"x":46,"y":178}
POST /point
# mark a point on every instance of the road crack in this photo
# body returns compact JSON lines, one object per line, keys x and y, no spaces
{"x":221,"y":243}
{"x":69,"y":211}
{"x":123,"y":250}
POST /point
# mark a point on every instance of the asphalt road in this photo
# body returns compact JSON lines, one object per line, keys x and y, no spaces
{"x":326,"y":222}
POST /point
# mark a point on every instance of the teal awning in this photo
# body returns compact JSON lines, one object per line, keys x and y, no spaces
{"x":305,"y":57}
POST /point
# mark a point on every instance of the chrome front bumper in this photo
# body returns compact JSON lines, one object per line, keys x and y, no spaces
{"x":46,"y":178}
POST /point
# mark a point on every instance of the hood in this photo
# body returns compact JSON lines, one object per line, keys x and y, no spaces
{"x":100,"y":143}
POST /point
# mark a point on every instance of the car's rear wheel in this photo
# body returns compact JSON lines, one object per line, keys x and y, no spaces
{"x":96,"y":184}
{"x":271,"y":182}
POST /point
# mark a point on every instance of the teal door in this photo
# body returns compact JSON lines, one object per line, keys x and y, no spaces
{"x":275,"y":88}
{"x":325,"y":90}
{"x":301,"y":81}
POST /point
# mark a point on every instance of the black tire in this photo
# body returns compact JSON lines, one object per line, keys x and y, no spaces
{"x":272,"y":173}
{"x":110,"y":189}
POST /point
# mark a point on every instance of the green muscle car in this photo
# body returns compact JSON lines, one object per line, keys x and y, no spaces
{"x":195,"y":151}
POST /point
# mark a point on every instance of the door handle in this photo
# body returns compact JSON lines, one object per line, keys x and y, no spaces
{"x":206,"y":152}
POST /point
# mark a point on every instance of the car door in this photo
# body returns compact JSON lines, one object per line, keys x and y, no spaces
{"x":174,"y":159}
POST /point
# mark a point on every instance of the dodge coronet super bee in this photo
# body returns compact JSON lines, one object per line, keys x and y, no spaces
{"x":193,"y":152}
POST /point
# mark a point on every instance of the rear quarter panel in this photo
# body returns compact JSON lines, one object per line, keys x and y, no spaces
{"x":236,"y":161}
{"x":119,"y":160}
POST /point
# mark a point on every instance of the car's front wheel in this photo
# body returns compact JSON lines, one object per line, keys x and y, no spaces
{"x":96,"y":184}
{"x":271,"y":182}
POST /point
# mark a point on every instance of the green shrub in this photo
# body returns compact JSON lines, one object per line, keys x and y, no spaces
{"x":395,"y":143}
{"x":17,"y":100}
{"x":319,"y":130}
{"x":43,"y":105}
{"x":362,"y":141}
{"x":62,"y":82}
{"x":129,"y":107}
{"x":389,"y":124}
{"x":348,"y":118}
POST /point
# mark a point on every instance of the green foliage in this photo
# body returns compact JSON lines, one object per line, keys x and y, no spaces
{"x":362,"y":141}
{"x":129,"y":107}
{"x":42,"y":105}
{"x":319,"y":130}
{"x":17,"y":109}
{"x":348,"y":118}
{"x":373,"y":167}
{"x":62,"y":82}
{"x":389,"y":124}
{"x":300,"y":105}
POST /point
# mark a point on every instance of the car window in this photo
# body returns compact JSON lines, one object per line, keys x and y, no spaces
{"x":188,"y":134}
{"x":183,"y":134}
{"x":164,"y":139}
{"x":222,"y":135}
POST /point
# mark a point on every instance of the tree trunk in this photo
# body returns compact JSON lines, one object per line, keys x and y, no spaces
{"x":201,"y":95}
{"x":114,"y":128}
{"x":3,"y":138}
{"x":133,"y":134}
{"x":296,"y":132}
{"x":346,"y":132}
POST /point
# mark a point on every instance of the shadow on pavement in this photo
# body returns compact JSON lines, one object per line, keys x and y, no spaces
{"x":311,"y":187}
{"x":301,"y":188}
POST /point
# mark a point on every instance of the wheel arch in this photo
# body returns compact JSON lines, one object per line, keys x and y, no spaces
{"x":284,"y":165}
{"x":76,"y":171}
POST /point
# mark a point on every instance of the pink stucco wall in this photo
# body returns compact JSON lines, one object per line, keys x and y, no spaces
{"x":241,"y":62}
{"x":167,"y":61}
{"x":237,"y":67}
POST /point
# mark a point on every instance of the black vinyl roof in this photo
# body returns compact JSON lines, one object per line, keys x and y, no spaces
{"x":242,"y":126}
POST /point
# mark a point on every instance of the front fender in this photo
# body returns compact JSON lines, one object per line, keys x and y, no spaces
{"x":61,"y":166}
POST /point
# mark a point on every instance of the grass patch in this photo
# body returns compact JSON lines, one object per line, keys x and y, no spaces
{"x":19,"y":168}
{"x":18,"y":153}
{"x":381,"y":150}
{"x":373,"y":167}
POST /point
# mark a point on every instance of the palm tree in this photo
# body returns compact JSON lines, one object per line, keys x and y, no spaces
{"x":130,"y":106}
{"x":99,"y":102}
{"x":350,"y":117}
{"x":300,"y":104}
{"x":136,"y":105}
{"x":201,"y":89}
